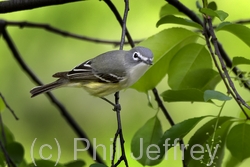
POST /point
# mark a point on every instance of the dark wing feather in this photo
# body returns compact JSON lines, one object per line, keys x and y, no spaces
{"x":85,"y":72}
{"x":111,"y":78}
{"x":60,"y":75}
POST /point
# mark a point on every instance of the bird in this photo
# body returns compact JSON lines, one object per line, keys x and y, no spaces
{"x":104,"y":74}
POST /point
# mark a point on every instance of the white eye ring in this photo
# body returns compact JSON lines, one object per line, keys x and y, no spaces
{"x":136,"y":56}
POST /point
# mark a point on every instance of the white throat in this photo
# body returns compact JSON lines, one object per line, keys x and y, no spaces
{"x":136,"y":72}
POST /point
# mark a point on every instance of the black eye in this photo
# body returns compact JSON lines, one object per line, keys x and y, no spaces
{"x":135,"y":56}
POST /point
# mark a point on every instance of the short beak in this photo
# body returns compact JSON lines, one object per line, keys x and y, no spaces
{"x":148,"y":61}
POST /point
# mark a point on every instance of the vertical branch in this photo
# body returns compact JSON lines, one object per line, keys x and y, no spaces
{"x":162,"y":107}
{"x":2,"y":128}
{"x":206,"y":35}
{"x":69,"y":119}
{"x":120,"y":20}
{"x":9,"y":162}
{"x":8,"y":159}
{"x":189,"y":13}
{"x":169,"y":118}
{"x":117,"y":104}
{"x":124,"y":22}
{"x":217,"y":51}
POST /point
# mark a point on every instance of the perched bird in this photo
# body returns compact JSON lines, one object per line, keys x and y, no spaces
{"x":105,"y":74}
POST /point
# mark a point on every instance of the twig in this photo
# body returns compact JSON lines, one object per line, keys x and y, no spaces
{"x":247,"y":21}
{"x":9,"y":162}
{"x":119,"y":19}
{"x":117,"y":104}
{"x":52,"y":29}
{"x":18,"y":5}
{"x":124,"y":23}
{"x":8,"y":159}
{"x":236,"y":22}
{"x":162,"y":107}
{"x":6,"y":104}
{"x":182,"y":8}
{"x":229,"y":64}
{"x":80,"y":133}
{"x":234,"y":93}
{"x":169,"y":118}
{"x":2,"y":128}
{"x":217,"y":51}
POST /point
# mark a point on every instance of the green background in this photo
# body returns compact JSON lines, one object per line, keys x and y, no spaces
{"x":47,"y":53}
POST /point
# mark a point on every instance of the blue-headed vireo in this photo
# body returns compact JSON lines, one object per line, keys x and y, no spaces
{"x":104,"y":74}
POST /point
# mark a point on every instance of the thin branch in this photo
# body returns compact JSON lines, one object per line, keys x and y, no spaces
{"x":6,"y":104}
{"x":247,"y":21}
{"x":80,"y":133}
{"x":52,"y":29}
{"x":9,"y":162}
{"x":119,"y":19}
{"x":217,"y":51}
{"x":117,"y":104}
{"x":169,"y":118}
{"x":18,"y":5}
{"x":228,"y":60}
{"x":229,"y":64}
{"x":234,"y":93}
{"x":8,"y":159}
{"x":2,"y":129}
{"x":124,"y":23}
{"x":162,"y":107}
{"x":182,"y":8}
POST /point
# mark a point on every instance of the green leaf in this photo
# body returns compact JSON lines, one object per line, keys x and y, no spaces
{"x":23,"y":164}
{"x":212,"y":5}
{"x":177,"y":20}
{"x":177,"y":132}
{"x":193,"y":95}
{"x":241,"y":114}
{"x":218,"y":13}
{"x":198,"y":5}
{"x":232,"y":162}
{"x":190,"y":58}
{"x":144,"y":143}
{"x":77,"y":163}
{"x":97,"y":165}
{"x":212,"y":94}
{"x":168,"y":9}
{"x":2,"y":105}
{"x":213,"y":78}
{"x":2,"y":159}
{"x":16,"y":152}
{"x":45,"y":163}
{"x":201,"y":79}
{"x":164,"y":46}
{"x":238,"y":30}
{"x":240,"y":60}
{"x":208,"y":139}
{"x":9,"y":137}
{"x":238,"y":141}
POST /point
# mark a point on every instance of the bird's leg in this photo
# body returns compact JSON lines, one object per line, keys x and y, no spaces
{"x":113,"y":104}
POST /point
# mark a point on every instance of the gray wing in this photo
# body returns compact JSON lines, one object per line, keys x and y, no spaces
{"x":85,"y":72}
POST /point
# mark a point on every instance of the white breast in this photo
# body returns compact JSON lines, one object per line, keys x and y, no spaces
{"x":135,"y":73}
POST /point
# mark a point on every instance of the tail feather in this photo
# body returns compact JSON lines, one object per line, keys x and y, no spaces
{"x":45,"y":88}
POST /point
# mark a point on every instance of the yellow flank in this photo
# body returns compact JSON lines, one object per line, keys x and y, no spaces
{"x":101,"y":89}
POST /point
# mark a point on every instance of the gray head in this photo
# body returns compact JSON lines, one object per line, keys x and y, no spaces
{"x":137,"y":61}
{"x":142,"y":54}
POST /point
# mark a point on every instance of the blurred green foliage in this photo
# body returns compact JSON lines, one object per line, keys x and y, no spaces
{"x":47,"y":53}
